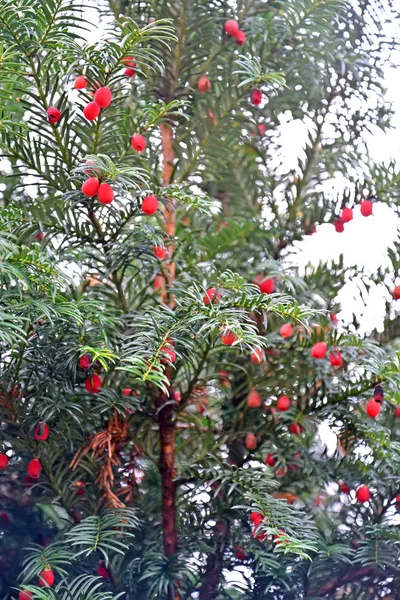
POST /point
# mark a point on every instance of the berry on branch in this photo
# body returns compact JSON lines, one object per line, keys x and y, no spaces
{"x":283,"y":403}
{"x":319,"y":350}
{"x":138,"y":142}
{"x":80,"y":83}
{"x":34,"y":468}
{"x":255,"y":97}
{"x":3,"y":461}
{"x":231,"y":27}
{"x":105,"y":193}
{"x":363,"y":494}
{"x":53,"y":115}
{"x":366,"y":208}
{"x":90,"y":186}
{"x":150,"y":205}
{"x":91,"y":111}
{"x":204,"y":84}
{"x":103,"y":97}
{"x":46,"y":577}
{"x":211,"y":296}
{"x":93,"y":384}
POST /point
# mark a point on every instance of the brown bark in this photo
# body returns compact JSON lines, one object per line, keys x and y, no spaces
{"x":169,"y":212}
{"x":168,"y":475}
{"x":348,"y":577}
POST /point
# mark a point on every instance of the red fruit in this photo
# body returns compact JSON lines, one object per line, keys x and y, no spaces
{"x":335,"y":358}
{"x":211,"y":296}
{"x":347,"y":215}
{"x":53,"y":115}
{"x":41,"y":432}
{"x":344,"y":488}
{"x":256,"y":518}
{"x":34,"y":468}
{"x":103,"y":97}
{"x":373,"y":408}
{"x":90,"y":186}
{"x":240,"y":38}
{"x":80,"y":83}
{"x":149,"y":205}
{"x":251,"y":441}
{"x":40,"y":236}
{"x":334,"y":318}
{"x":129,"y":62}
{"x":212,"y":117}
{"x":231,"y":27}
{"x":24,"y":595}
{"x":130,"y":72}
{"x":3,"y":461}
{"x":91,"y":111}
{"x":126,"y":392}
{"x":228,"y":338}
{"x":102,"y":572}
{"x":363,"y":494}
{"x":160,"y":252}
{"x":105,"y":193}
{"x":46,"y":578}
{"x":204,"y":84}
{"x":254,"y":399}
{"x":286,"y":330}
{"x":93,"y":384}
{"x":138,"y":142}
{"x":283,"y":403}
{"x":396,"y":292}
{"x":240,"y":553}
{"x":296,"y":428}
{"x":397,"y":412}
{"x":256,"y":356}
{"x":255,"y":97}
{"x":85,"y":361}
{"x":366,"y":208}
{"x":169,"y":355}
{"x":267,"y":286}
{"x":339,"y":225}
{"x":319,"y":350}
{"x":271,"y":460}
{"x":262,"y":129}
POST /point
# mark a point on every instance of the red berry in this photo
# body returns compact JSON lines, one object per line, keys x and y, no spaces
{"x":40,"y":236}
{"x":344,"y":488}
{"x":255,"y":97}
{"x":366,"y":208}
{"x":85,"y":361}
{"x":34,"y":468}
{"x":169,"y":355}
{"x":254,"y":399}
{"x":271,"y":460}
{"x":240,"y":553}
{"x":347,"y":214}
{"x":373,"y":408}
{"x":126,"y":392}
{"x":335,"y":358}
{"x":211,"y":296}
{"x":24,"y":595}
{"x":256,"y":518}
{"x":262,"y":129}
{"x":228,"y":338}
{"x":251,"y":441}
{"x":53,"y":115}
{"x":91,"y":111}
{"x":211,"y":116}
{"x":102,"y":572}
{"x":138,"y":142}
{"x":286,"y":330}
{"x":93,"y":384}
{"x":41,"y":432}
{"x":160,"y":252}
{"x":397,"y":412}
{"x":396,"y":292}
{"x":256,"y":356}
{"x":319,"y":350}
{"x":158,"y":282}
{"x":129,"y":62}
{"x":334,"y":318}
{"x":363,"y":494}
{"x":149,"y":205}
{"x":105,"y":193}
{"x":339,"y":225}
{"x":267,"y":286}
{"x":46,"y":578}
{"x":80,"y":488}
{"x":283,"y":403}
{"x":231,"y":27}
{"x":296,"y":428}
{"x":130,"y":72}
{"x":80,"y":83}
{"x":103,"y":97}
{"x":3,"y":461}
{"x":204,"y":84}
{"x":240,"y":37}
{"x":90,"y":186}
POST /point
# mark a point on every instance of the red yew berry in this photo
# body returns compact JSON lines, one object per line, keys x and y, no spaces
{"x":397,"y":412}
{"x":334,"y":319}
{"x":90,"y":186}
{"x":251,"y":441}
{"x":34,"y":468}
{"x":25,"y":595}
{"x":344,"y":488}
{"x":130,"y":72}
{"x":286,"y":330}
{"x":339,"y":225}
{"x":93,"y":384}
{"x":40,"y":236}
{"x":231,"y":27}
{"x":53,"y":115}
{"x":80,"y":488}
{"x":283,"y":403}
{"x":347,"y":215}
{"x":158,"y":282}
{"x":80,"y":83}
{"x":149,"y":205}
{"x":267,"y":286}
{"x":46,"y":578}
{"x":255,"y":97}
{"x":271,"y":459}
{"x":204,"y":84}
{"x":396,"y":293}
{"x":256,"y":356}
{"x":262,"y":129}
{"x":335,"y":358}
{"x":240,"y":37}
{"x":128,"y":61}
{"x":138,"y":142}
{"x":211,"y":117}
{"x":211,"y":296}
{"x":256,"y":518}
{"x":3,"y":461}
{"x":373,"y":408}
{"x":296,"y":428}
{"x":319,"y":350}
{"x":102,"y":572}
{"x":240,"y":553}
{"x":103,"y":97}
{"x":41,"y":432}
{"x":105,"y":193}
{"x":85,"y":361}
{"x":169,"y":355}
{"x":91,"y":111}
{"x":160,"y":252}
{"x":363,"y":494}
{"x":228,"y":338}
{"x":254,"y":399}
{"x":366,"y":208}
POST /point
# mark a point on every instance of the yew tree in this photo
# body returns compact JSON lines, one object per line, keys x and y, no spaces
{"x":182,"y":412}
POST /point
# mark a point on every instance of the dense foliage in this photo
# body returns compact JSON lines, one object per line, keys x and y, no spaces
{"x":182,"y":413}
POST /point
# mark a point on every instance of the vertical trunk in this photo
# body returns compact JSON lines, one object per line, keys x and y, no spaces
{"x":169,"y":212}
{"x":212,"y":574}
